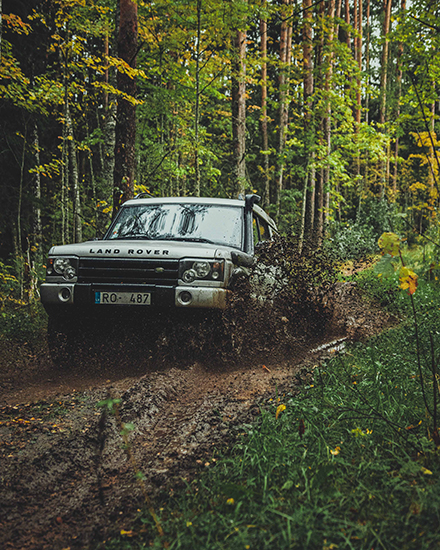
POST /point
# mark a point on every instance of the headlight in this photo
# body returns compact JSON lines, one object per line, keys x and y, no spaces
{"x":190,"y":270}
{"x":62,"y":266}
{"x":202,"y":269}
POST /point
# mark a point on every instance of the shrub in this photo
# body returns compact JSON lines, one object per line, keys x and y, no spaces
{"x":350,"y":242}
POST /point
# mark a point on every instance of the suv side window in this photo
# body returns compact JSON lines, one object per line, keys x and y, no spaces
{"x":261,"y":229}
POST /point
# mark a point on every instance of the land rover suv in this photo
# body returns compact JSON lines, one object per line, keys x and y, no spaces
{"x":158,"y":255}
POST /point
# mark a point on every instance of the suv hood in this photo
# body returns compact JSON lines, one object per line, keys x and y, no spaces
{"x":143,"y":249}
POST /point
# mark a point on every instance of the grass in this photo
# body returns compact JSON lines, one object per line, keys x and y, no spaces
{"x":348,"y":463}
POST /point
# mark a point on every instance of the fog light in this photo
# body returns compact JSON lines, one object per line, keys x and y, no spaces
{"x":185,"y":297}
{"x":64,"y":294}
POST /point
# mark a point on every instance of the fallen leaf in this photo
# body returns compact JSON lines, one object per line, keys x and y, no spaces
{"x":280,"y":409}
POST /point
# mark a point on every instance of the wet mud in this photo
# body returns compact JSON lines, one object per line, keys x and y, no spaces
{"x":67,"y":481}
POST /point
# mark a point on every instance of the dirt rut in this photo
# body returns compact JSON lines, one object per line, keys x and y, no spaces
{"x":66,"y":479}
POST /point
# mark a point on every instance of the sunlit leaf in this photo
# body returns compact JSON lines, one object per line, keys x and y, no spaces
{"x":408,"y":280}
{"x":389,"y":243}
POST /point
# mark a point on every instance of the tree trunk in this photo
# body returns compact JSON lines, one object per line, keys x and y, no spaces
{"x":65,"y":168}
{"x":37,"y":232}
{"x":74,"y":180}
{"x":110,"y":114}
{"x":358,"y":41}
{"x":125,"y":156}
{"x":384,"y":61}
{"x":197,"y":107}
{"x":348,"y":22}
{"x":309,"y":182}
{"x":239,"y":113}
{"x":367,"y":63}
{"x":431,"y":172}
{"x":319,"y":191}
{"x":283,"y":83}
{"x":1,"y":29}
{"x":328,"y":115}
{"x":383,"y":84}
{"x":265,"y":138}
{"x":399,"y":94}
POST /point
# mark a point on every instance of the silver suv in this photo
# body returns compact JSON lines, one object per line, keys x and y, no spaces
{"x":159,"y":254}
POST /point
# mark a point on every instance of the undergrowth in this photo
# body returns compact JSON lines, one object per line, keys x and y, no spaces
{"x":350,"y":462}
{"x":23,"y":323}
{"x":22,"y":319}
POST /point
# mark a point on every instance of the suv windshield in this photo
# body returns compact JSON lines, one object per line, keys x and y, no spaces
{"x":180,"y":222}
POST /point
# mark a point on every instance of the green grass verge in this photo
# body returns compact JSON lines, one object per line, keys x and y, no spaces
{"x":363,"y":475}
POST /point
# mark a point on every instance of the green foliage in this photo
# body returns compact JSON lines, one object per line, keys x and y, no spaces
{"x":289,"y":211}
{"x":22,"y":319}
{"x":25,"y":323}
{"x":382,"y":290}
{"x":350,"y":241}
{"x":379,"y":215}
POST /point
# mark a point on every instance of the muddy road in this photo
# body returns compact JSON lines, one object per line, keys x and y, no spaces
{"x":66,"y":481}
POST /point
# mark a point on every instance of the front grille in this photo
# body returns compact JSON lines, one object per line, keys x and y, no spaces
{"x":112,"y":270}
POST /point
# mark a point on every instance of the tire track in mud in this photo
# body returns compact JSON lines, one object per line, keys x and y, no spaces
{"x":67,"y":488}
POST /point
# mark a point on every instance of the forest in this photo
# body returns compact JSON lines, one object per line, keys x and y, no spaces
{"x":327,"y":110}
{"x":319,"y":428}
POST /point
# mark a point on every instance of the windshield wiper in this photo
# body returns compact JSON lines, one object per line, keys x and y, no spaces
{"x":146,"y":237}
{"x":143,"y":236}
{"x":191,"y":239}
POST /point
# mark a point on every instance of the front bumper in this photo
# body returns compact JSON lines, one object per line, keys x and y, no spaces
{"x":83,"y":295}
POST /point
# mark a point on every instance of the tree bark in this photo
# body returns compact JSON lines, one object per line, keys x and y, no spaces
{"x":74,"y":180}
{"x":239,"y":113}
{"x":283,"y":110}
{"x":110,"y":114}
{"x":319,"y":190}
{"x":367,"y":63}
{"x":37,"y":232}
{"x":383,"y":87}
{"x":265,"y":138}
{"x":399,"y":94}
{"x":384,"y":61}
{"x":309,"y":182}
{"x":348,"y":22}
{"x":1,"y":28}
{"x":65,"y":166}
{"x":328,"y":115}
{"x":125,"y":156}
{"x":358,"y":41}
{"x":197,"y":106}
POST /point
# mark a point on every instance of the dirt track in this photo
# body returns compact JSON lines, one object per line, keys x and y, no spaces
{"x":66,"y":480}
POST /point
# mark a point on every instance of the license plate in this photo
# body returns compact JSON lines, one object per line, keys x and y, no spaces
{"x":123,"y":298}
